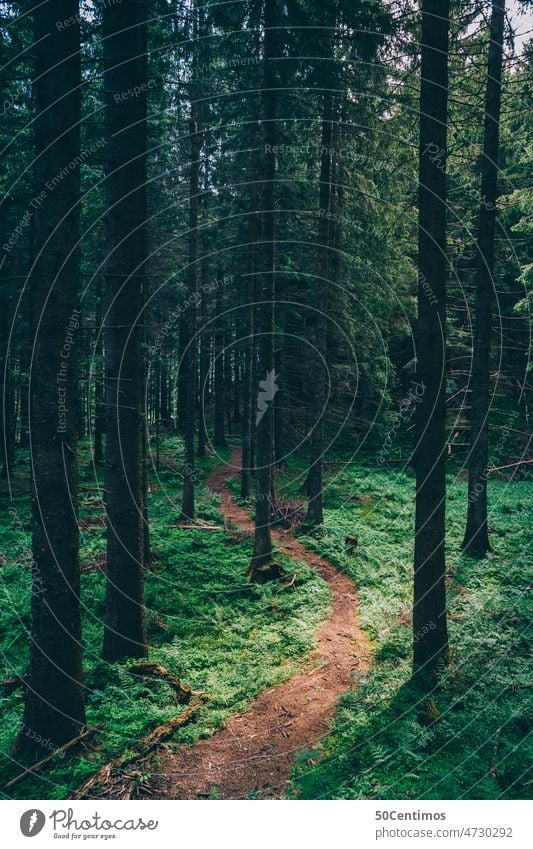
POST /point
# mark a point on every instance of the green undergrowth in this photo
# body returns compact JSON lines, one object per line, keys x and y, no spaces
{"x":476,"y":743}
{"x":205,"y":624}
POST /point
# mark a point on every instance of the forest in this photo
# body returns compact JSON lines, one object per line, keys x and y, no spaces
{"x":265,"y":464}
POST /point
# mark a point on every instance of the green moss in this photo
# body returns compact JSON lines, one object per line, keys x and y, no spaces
{"x":377,"y":747}
{"x":205,"y":624}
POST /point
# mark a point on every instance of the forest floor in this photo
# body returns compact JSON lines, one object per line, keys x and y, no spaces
{"x":255,"y":752}
{"x":473,"y":740}
{"x":206,"y":624}
{"x":245,"y":645}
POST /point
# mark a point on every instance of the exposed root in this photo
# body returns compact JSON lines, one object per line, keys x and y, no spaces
{"x":267,"y":572}
{"x":61,"y":750}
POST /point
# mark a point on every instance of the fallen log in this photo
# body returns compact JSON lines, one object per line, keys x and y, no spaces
{"x":155,"y":670}
{"x":117,"y":778}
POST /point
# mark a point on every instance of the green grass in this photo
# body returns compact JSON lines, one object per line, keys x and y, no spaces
{"x":478,"y":747}
{"x":204,"y":624}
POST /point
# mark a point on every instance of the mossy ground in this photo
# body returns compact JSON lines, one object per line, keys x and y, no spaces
{"x":479,"y":744}
{"x":205,"y":624}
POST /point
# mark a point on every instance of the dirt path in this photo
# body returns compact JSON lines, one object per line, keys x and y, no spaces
{"x":256,"y":750}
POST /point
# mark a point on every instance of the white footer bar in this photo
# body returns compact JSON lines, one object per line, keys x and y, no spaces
{"x":268,"y":824}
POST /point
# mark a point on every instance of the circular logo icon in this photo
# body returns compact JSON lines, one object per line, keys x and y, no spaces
{"x":32,"y":822}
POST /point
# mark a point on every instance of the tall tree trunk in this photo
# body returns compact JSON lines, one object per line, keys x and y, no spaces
{"x":228,"y":358}
{"x":189,"y":356}
{"x":164,"y":403}
{"x":249,"y":369}
{"x":124,"y":46}
{"x":82,"y":383}
{"x":236,"y":394}
{"x":279,"y":421}
{"x":25,"y":361}
{"x":99,"y":406}
{"x":182,"y":376}
{"x":317,"y":381}
{"x":145,"y":428}
{"x":262,"y":552}
{"x":247,"y":420}
{"x":430,"y":637}
{"x":476,"y":540}
{"x":249,"y":293}
{"x":157,"y":385}
{"x":204,"y":366}
{"x":204,"y":333}
{"x":54,"y":706}
{"x":219,"y":438}
{"x":7,"y":398}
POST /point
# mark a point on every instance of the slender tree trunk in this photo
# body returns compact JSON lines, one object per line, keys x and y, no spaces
{"x":204,"y":337}
{"x":279,"y":421}
{"x":157,"y":383}
{"x":250,"y":295}
{"x":80,"y":390}
{"x":476,"y":540}
{"x":236,"y":414}
{"x":317,"y":381}
{"x":182,"y":376}
{"x":7,"y":406}
{"x":430,"y":638}
{"x":249,"y":372}
{"x":204,"y":366}
{"x":25,"y":360}
{"x":262,"y":552}
{"x":247,"y":423}
{"x":54,"y":706}
{"x":228,"y":357}
{"x":190,"y":358}
{"x":171,"y":401}
{"x":124,"y":45}
{"x":219,"y":438}
{"x":164,"y":403}
{"x":145,"y":433}
{"x":99,"y":406}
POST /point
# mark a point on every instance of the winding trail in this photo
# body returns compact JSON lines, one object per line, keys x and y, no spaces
{"x":256,"y":750}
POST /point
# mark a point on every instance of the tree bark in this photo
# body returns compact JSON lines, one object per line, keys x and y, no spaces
{"x":430,"y":638}
{"x":164,"y":403}
{"x":145,"y":431}
{"x":54,"y":705}
{"x":25,"y":362}
{"x":189,"y":356}
{"x":99,"y":406}
{"x":249,"y":371}
{"x":7,"y":398}
{"x":124,"y":46}
{"x":204,"y":333}
{"x":204,"y":365}
{"x":264,"y":419}
{"x":317,"y":381}
{"x":219,"y":437}
{"x":476,"y":540}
